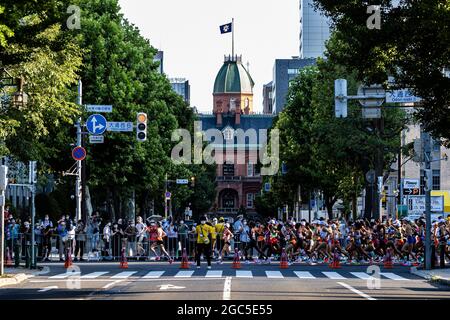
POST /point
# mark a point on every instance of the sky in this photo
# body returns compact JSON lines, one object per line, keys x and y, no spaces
{"x":188,"y":33}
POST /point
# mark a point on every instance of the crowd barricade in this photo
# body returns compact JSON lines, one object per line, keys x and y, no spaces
{"x":95,"y":247}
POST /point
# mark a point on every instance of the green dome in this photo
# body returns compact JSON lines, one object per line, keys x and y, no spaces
{"x":233,"y":78}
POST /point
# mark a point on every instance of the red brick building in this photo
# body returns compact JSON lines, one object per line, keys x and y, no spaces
{"x":238,"y":176}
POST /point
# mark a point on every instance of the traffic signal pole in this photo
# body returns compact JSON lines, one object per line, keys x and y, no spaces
{"x":78,"y":173}
{"x":426,"y":138}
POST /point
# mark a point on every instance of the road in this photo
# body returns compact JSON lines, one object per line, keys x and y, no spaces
{"x":161,"y":281}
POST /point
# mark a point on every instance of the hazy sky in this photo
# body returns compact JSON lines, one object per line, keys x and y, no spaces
{"x":188,"y":33}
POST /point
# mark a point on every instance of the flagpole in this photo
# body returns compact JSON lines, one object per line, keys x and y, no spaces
{"x":232,"y":38}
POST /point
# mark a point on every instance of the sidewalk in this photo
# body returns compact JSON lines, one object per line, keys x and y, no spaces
{"x":17,"y":275}
{"x":439,"y":275}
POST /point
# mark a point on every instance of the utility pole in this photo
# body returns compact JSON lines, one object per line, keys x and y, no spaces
{"x":3,"y":185}
{"x":32,"y":182}
{"x":426,"y":140}
{"x":165,"y":198}
{"x":78,"y":187}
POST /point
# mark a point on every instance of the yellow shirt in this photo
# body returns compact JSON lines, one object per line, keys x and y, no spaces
{"x":219,"y":228}
{"x":205,"y":230}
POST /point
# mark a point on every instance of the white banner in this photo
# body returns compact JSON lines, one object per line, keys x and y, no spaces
{"x":416,"y":204}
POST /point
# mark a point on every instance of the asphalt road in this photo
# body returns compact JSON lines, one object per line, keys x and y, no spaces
{"x":161,"y":281}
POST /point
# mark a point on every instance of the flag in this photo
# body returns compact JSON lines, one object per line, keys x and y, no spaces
{"x":226,"y":28}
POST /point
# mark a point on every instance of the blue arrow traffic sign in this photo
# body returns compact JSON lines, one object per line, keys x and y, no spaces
{"x":96,"y":124}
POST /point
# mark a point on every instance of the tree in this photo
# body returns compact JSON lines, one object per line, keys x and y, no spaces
{"x":411,"y":45}
{"x":325,"y":153}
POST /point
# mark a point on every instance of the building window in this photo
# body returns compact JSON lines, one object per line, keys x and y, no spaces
{"x":228,"y":169}
{"x":228,"y":134}
{"x":436,"y":179}
{"x":249,"y":169}
{"x":250,"y":198}
{"x":293,"y":71}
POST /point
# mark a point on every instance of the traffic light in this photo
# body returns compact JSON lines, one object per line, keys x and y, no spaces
{"x":32,"y":173}
{"x":427,"y":180}
{"x":141,"y":127}
{"x":380,"y":184}
{"x":192,"y":182}
{"x":340,"y":98}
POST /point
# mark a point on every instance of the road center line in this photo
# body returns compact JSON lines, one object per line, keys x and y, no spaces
{"x":227,"y":288}
{"x":362,"y":294}
{"x":48,"y":288}
{"x":113,"y":283}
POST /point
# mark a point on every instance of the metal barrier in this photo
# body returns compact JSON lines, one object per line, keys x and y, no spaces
{"x":94,"y":247}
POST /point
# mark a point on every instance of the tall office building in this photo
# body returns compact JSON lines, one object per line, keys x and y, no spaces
{"x":314,"y":31}
{"x":182,"y":87}
{"x":284,"y":71}
{"x":159,"y":57}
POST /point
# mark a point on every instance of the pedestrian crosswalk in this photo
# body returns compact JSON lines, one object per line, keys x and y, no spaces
{"x":200,"y":273}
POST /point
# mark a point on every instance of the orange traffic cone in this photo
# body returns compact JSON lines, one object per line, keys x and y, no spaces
{"x":336,"y":264}
{"x":284,"y":260}
{"x":184,"y":260}
{"x":9,"y":262}
{"x":388,"y":259}
{"x":236,"y":261}
{"x":123,"y":260}
{"x":68,"y":260}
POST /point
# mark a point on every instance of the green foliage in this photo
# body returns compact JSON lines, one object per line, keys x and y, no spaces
{"x":323,"y":152}
{"x":411,"y":45}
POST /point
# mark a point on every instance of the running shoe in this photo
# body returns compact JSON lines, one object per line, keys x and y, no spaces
{"x":158,"y":258}
{"x":406,"y":264}
{"x":198,"y":267}
{"x":219,"y":261}
{"x":209,"y":267}
{"x":170,"y":261}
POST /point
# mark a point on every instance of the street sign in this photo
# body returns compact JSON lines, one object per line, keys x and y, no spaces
{"x":372,"y":90}
{"x":401,"y":96}
{"x":415,"y":191}
{"x":371,"y":113}
{"x":79,"y":153}
{"x":370,"y":176}
{"x":168,"y":195}
{"x":267,"y":187}
{"x":96,"y":124}
{"x":340,"y":98}
{"x":411,"y":183}
{"x":416,"y":204}
{"x":182,"y":181}
{"x":96,"y":139}
{"x":120,"y":126}
{"x":98,"y":108}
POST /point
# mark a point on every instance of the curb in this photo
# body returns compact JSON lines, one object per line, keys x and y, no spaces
{"x":20,"y":277}
{"x":425,"y":275}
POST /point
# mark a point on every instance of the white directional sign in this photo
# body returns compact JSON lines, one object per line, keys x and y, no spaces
{"x":96,"y":139}
{"x":182,"y":181}
{"x":98,"y":108}
{"x":411,"y":183}
{"x":96,"y":124}
{"x":120,"y":126}
{"x":401,"y":96}
{"x":416,"y":204}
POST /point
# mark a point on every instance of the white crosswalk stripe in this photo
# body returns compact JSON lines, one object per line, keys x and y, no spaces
{"x":153,"y":274}
{"x":393,"y":276}
{"x":333,"y":275}
{"x":362,"y":275}
{"x":271,"y":274}
{"x":304,"y":275}
{"x":123,"y":275}
{"x":274,"y":274}
{"x":244,"y":274}
{"x":94,"y":275}
{"x":65,"y":275}
{"x":214,"y":274}
{"x":184,"y":274}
